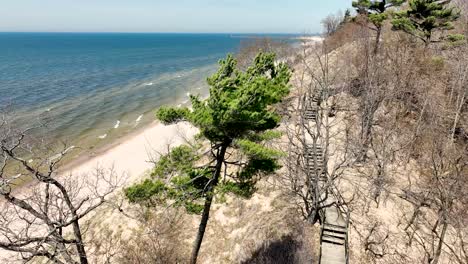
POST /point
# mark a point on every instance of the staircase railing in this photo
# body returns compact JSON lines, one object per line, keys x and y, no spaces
{"x":347,"y":238}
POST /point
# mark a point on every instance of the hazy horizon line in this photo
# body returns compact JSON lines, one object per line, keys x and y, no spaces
{"x":157,"y":32}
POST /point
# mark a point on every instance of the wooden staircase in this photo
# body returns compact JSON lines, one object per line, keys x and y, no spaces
{"x":334,"y":226}
{"x":315,"y":162}
{"x":333,"y":243}
{"x":312,"y":109}
{"x":334,"y":234}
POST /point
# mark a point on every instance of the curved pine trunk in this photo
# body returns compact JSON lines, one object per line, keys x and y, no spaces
{"x":208,"y":202}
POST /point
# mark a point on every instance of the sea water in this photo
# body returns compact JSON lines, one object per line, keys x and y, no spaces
{"x":94,"y":87}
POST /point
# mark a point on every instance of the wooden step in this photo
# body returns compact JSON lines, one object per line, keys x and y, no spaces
{"x":317,"y":160}
{"x":334,"y":234}
{"x":340,"y":240}
{"x":311,"y":146}
{"x":334,"y":228}
{"x":311,"y":149}
{"x":317,"y":165}
{"x":321,"y":175}
{"x":311,"y":154}
{"x":332,"y":240}
{"x":317,"y":153}
{"x":313,"y":158}
{"x":316,"y":168}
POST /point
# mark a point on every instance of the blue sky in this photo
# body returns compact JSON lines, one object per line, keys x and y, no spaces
{"x":210,"y":16}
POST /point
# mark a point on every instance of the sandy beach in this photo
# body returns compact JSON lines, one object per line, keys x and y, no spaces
{"x":132,"y":155}
{"x":311,"y":39}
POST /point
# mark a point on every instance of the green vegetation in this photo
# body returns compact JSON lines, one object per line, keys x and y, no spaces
{"x":169,"y":115}
{"x":454,"y":40}
{"x":424,"y":17}
{"x":376,"y":13}
{"x":236,"y":120}
{"x":455,"y":37}
{"x":144,"y":191}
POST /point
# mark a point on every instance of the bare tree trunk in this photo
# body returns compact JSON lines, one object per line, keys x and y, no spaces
{"x":80,"y":248}
{"x":33,"y":226}
{"x":377,"y":40}
{"x":459,"y":108}
{"x":439,"y":246}
{"x":79,"y":244}
{"x":208,"y":201}
{"x":367,"y":123}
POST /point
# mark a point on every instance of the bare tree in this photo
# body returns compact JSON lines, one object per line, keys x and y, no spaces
{"x":42,"y":219}
{"x":313,"y":135}
{"x":437,"y":198}
{"x":332,"y":22}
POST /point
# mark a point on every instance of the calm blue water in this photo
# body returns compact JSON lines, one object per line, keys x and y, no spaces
{"x":91,"y":86}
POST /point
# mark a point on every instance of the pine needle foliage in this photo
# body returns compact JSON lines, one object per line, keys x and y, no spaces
{"x":237,"y":119}
{"x":424,"y":17}
{"x":376,"y":12}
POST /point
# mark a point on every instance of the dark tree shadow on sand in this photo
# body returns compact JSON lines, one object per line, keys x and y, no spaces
{"x":287,"y":250}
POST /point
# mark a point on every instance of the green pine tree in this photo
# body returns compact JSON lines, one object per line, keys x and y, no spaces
{"x":236,"y":119}
{"x":346,"y":18}
{"x":377,"y":13}
{"x":424,"y":17}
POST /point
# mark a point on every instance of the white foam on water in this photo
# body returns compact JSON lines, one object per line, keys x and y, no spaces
{"x":139,"y":118}
{"x":149,"y":84}
{"x":103,"y":136}
{"x":61,"y":154}
{"x":179,"y":76}
{"x":117,"y":124}
{"x":188,"y":94}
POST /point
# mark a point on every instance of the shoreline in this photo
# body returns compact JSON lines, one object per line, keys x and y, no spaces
{"x":102,"y":150}
{"x":129,"y":155}
{"x":171,"y":134}
{"x":132,"y":154}
{"x":138,"y":142}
